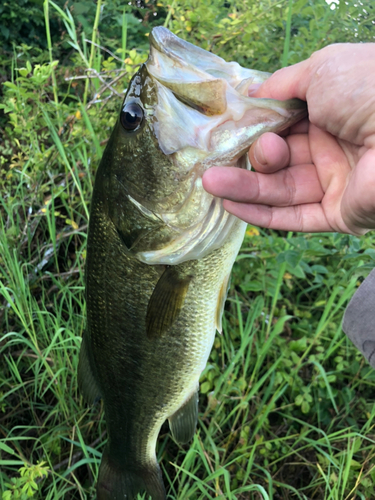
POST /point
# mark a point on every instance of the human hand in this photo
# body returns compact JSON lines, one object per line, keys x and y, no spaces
{"x":321,"y":175}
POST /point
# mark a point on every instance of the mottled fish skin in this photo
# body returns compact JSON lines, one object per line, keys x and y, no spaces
{"x":154,"y":296}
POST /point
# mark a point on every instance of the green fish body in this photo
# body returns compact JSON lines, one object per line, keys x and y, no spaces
{"x":161,"y":249}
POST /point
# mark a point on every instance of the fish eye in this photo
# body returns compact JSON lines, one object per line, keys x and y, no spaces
{"x":131,"y":116}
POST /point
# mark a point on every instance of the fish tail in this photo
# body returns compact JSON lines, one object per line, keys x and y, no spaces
{"x":117,"y":483}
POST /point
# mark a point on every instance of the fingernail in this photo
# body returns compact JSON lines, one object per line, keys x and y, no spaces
{"x":253,"y":89}
{"x":258,"y":154}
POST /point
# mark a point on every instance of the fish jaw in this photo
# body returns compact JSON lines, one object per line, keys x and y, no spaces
{"x":170,"y":57}
{"x":206,"y":97}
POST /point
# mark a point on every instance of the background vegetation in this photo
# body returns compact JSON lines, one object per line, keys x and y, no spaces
{"x":286,"y":400}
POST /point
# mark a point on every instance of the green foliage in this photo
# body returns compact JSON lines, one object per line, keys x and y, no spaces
{"x":286,"y":400}
{"x":22,"y":27}
{"x":22,"y":21}
{"x":254,"y":32}
{"x":25,"y":485}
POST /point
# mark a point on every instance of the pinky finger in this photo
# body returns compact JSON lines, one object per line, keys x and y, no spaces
{"x":308,"y":218}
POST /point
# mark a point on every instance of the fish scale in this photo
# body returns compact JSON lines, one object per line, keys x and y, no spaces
{"x":160,"y":253}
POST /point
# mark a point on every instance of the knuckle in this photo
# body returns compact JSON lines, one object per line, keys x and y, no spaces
{"x":270,"y":218}
{"x":298,"y":217}
{"x":290,"y":187}
{"x":257,"y":190}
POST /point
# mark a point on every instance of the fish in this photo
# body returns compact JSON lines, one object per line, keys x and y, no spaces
{"x":160,"y":250}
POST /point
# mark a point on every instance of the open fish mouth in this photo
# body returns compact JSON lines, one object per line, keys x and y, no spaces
{"x":204,"y":74}
{"x":203,"y":102}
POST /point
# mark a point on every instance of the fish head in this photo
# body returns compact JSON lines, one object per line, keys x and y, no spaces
{"x":185,"y":110}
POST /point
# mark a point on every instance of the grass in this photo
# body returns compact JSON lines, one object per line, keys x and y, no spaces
{"x":286,"y":403}
{"x":254,"y":439}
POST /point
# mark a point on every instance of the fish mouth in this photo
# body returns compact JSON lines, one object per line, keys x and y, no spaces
{"x":203,"y":103}
{"x":195,"y":75}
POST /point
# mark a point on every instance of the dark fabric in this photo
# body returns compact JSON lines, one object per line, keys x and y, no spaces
{"x":359,"y":319}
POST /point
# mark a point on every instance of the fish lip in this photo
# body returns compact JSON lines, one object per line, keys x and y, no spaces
{"x":168,"y":43}
{"x":159,"y":37}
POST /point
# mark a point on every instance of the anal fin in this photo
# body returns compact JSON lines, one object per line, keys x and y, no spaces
{"x":166,"y":301}
{"x":86,"y":380}
{"x":183,"y":423}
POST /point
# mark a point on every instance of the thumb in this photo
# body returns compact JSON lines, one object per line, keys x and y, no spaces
{"x":286,"y":83}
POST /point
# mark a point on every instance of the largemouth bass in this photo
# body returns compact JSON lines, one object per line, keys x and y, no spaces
{"x":161,"y":250}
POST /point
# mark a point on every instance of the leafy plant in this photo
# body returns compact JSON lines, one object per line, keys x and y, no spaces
{"x":25,"y":486}
{"x":253,"y":33}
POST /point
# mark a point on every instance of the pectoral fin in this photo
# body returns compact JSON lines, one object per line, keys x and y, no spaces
{"x":183,"y":423}
{"x":221,"y":303}
{"x":166,"y":301}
